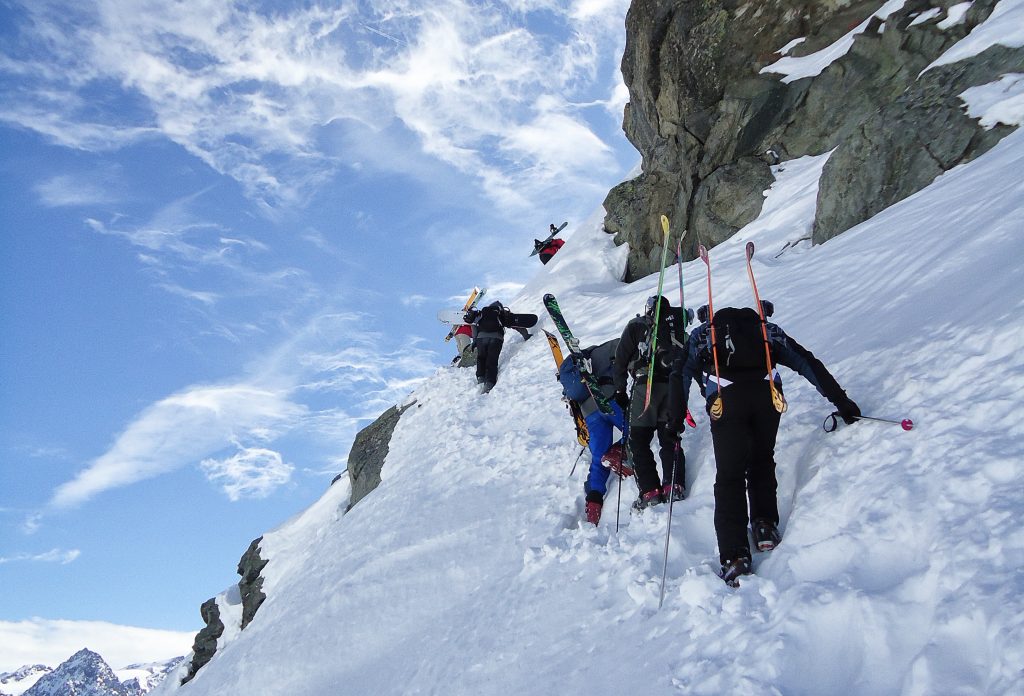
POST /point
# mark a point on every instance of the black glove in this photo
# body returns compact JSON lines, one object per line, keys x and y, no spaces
{"x":848,"y":411}
{"x":622,"y":399}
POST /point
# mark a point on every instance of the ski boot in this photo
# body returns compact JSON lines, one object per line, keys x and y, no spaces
{"x":648,"y":499}
{"x":732,"y":570}
{"x":615,"y":459}
{"x":593,"y":509}
{"x":766,"y":534}
{"x":676,"y":492}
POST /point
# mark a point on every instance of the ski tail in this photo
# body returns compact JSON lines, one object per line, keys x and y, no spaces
{"x":582,"y":433}
{"x":717,"y":406}
{"x":657,"y":314}
{"x":778,"y":400}
{"x":573,"y":344}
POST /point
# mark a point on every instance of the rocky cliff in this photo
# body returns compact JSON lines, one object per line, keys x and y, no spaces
{"x":709,"y":116}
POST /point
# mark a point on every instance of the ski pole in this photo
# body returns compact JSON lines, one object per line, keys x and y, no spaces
{"x":832,"y":422}
{"x":582,"y":450}
{"x":668,"y":532}
{"x":618,"y":502}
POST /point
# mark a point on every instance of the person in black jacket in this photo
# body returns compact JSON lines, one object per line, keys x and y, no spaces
{"x":488,"y":336}
{"x":632,"y":359}
{"x":747,"y":422}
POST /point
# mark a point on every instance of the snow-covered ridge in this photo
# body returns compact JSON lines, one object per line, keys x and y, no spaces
{"x":468,"y":571}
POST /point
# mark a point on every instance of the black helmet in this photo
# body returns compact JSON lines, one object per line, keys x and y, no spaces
{"x":652,"y":303}
{"x":768,"y":308}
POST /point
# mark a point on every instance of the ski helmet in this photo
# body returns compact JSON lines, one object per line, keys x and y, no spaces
{"x":652,"y":303}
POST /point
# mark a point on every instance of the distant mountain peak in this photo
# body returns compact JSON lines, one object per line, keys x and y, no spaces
{"x":85,"y":673}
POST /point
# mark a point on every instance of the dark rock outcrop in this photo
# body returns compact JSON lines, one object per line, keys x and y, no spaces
{"x":366,"y":458}
{"x":704,"y":117}
{"x":205,"y":644}
{"x":251,"y":584}
{"x":250,"y":589}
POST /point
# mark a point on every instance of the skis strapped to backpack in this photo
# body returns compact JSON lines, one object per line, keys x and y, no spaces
{"x":657,"y":315}
{"x":778,"y":400}
{"x":582,"y":363}
{"x":716,"y":405}
{"x":582,"y":434}
{"x":474,"y":297}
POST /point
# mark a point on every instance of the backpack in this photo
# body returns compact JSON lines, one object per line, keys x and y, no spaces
{"x":490,"y":318}
{"x":740,"y":342}
{"x":602,"y":362}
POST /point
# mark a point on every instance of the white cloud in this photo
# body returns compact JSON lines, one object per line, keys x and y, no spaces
{"x":249,"y":92}
{"x":50,"y":642}
{"x":180,"y":430}
{"x":69,"y":190}
{"x":252,"y":472}
{"x":331,"y":353}
{"x":52,"y":556}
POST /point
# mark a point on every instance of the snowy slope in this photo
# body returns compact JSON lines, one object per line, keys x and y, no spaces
{"x":468,"y":570}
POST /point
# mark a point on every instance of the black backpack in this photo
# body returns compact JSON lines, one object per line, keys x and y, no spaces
{"x":490,"y":318}
{"x":740,"y":342}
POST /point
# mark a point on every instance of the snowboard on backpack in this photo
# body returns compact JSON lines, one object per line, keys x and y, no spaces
{"x":520,"y":321}
{"x":452,"y":316}
{"x":471,"y":302}
{"x":550,"y":237}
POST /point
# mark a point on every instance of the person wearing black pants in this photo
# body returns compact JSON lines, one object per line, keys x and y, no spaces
{"x":744,"y":433}
{"x":488,"y":336}
{"x":744,"y":443}
{"x":632,"y":360}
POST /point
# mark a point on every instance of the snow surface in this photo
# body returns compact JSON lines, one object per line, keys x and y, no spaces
{"x":469,"y":571}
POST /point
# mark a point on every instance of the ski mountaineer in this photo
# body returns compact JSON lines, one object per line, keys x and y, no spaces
{"x":547,"y":248}
{"x":744,"y":434}
{"x":600,"y":426}
{"x":463,"y":338}
{"x":632,"y":359}
{"x":489,"y":326}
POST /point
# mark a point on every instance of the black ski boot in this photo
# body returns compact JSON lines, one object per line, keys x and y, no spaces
{"x":766,"y":534}
{"x":732,"y":570}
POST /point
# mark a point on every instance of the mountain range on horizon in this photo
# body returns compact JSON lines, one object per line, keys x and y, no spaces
{"x":85,"y":673}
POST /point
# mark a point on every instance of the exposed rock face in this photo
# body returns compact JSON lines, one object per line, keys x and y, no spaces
{"x":251,"y":584}
{"x":902,"y":146}
{"x":250,"y":589}
{"x":205,"y":644}
{"x":366,"y":458}
{"x":704,"y":117}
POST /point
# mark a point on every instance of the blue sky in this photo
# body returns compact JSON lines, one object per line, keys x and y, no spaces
{"x":225,"y":230}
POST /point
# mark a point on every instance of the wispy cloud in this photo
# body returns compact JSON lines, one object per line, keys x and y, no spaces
{"x":250,"y":92}
{"x":253,"y":472}
{"x":330,"y":355}
{"x":70,"y":190}
{"x":53,"y":556}
{"x":181,"y":429}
